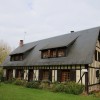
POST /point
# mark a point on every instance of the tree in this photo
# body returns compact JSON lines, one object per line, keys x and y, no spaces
{"x":5,"y":49}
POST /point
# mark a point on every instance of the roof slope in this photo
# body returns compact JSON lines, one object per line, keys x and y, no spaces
{"x":81,"y":52}
{"x":23,"y":49}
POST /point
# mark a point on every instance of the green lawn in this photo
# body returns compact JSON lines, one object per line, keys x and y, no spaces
{"x":13,"y":92}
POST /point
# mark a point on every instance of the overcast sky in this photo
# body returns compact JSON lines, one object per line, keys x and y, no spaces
{"x":40,"y":19}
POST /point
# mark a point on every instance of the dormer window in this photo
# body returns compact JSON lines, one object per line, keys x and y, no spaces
{"x":53,"y":53}
{"x":45,"y":54}
{"x":61,"y":52}
{"x":17,"y":57}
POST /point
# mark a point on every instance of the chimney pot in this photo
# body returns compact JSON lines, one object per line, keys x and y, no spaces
{"x":71,"y":31}
{"x":21,"y":43}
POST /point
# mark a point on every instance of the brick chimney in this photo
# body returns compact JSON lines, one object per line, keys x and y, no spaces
{"x":21,"y":43}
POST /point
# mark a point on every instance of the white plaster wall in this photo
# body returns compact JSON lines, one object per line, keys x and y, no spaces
{"x":25,"y":74}
{"x":78,"y":77}
{"x":92,"y":71}
{"x":4,"y":73}
{"x":14,"y":73}
{"x":55,"y":75}
{"x":83,"y":79}
{"x":36,"y":75}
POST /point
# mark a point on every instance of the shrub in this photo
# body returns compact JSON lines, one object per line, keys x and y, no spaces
{"x":1,"y":75}
{"x":9,"y":81}
{"x":58,"y":87}
{"x":97,"y":94}
{"x":73,"y":88}
{"x":33,"y":84}
{"x":20,"y":82}
{"x":68,"y":87}
{"x":45,"y":84}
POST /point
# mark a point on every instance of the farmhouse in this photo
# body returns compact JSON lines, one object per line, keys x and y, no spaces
{"x":69,"y":57}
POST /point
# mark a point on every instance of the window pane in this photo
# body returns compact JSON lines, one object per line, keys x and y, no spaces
{"x":45,"y":75}
{"x":99,"y":56}
{"x":53,"y":53}
{"x":45,"y":54}
{"x":96,"y":55}
{"x":61,"y":52}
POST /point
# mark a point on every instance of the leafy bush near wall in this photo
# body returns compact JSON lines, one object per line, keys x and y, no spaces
{"x":95,"y":93}
{"x":10,"y":81}
{"x":20,"y":82}
{"x":33,"y":84}
{"x":45,"y":84}
{"x":58,"y":87}
{"x":68,"y":87}
{"x":73,"y":88}
{"x":1,"y":74}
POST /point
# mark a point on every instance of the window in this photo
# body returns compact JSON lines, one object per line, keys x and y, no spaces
{"x":52,"y":53}
{"x":96,"y":55}
{"x":16,"y":57}
{"x":97,"y":73}
{"x":45,"y":75}
{"x":45,"y":54}
{"x":99,"y":56}
{"x":20,"y":73}
{"x":61,"y":52}
{"x":65,"y":76}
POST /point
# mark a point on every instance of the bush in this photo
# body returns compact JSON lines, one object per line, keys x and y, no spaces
{"x":33,"y":84}
{"x":58,"y":87}
{"x":20,"y":82}
{"x":97,"y":94}
{"x":10,"y":81}
{"x":45,"y":84}
{"x":1,"y":75}
{"x":73,"y":88}
{"x":68,"y":87}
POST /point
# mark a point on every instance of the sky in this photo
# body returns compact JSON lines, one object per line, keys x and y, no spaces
{"x":32,"y":20}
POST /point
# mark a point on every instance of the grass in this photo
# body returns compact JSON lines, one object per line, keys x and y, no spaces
{"x":13,"y":92}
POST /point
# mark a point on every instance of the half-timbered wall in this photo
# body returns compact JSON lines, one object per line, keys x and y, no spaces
{"x":36,"y":75}
{"x":14,"y":71}
{"x":93,"y":80}
{"x":4,"y":73}
{"x":75,"y":72}
{"x":25,"y":74}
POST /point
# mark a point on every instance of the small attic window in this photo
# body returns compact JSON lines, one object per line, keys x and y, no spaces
{"x":45,"y":54}
{"x":61,"y":52}
{"x":18,"y":57}
{"x":53,"y":53}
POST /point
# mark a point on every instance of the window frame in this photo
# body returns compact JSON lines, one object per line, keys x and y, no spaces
{"x":17,"y":57}
{"x":50,"y":53}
